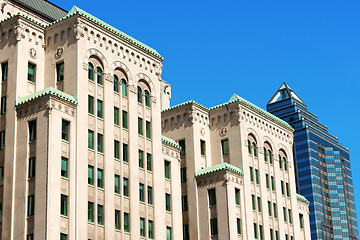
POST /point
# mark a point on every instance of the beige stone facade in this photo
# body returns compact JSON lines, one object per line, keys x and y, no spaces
{"x":82,"y":151}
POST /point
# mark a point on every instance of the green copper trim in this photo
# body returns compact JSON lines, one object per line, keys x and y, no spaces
{"x":219,"y":167}
{"x":186,"y":103}
{"x":302,"y":198}
{"x":170,"y":142}
{"x":23,"y":16}
{"x":77,"y":11}
{"x":46,"y":91}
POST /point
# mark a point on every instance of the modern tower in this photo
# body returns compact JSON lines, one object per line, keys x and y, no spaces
{"x":323,"y":170}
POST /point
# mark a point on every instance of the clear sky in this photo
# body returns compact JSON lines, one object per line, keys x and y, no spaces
{"x":213,"y":49}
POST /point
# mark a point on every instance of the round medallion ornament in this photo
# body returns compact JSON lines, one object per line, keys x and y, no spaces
{"x":32,"y":53}
{"x":202,"y":132}
{"x":59,"y":52}
{"x":223,"y":131}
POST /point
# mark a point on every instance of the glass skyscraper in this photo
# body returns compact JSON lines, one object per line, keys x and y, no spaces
{"x":322,"y":169}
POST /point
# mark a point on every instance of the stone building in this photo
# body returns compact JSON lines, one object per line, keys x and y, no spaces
{"x":66,"y":77}
{"x":237,"y":174}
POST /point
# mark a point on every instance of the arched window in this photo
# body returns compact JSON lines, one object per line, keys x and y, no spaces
{"x":99,"y":74}
{"x":123,"y":88}
{"x":280,"y":161}
{"x":270,"y":156}
{"x":116,"y":84}
{"x":139,"y":94}
{"x":249,"y":146}
{"x":91,"y":72}
{"x":254,"y":148}
{"x":265,"y":155}
{"x":285,"y":164}
{"x":147,"y":98}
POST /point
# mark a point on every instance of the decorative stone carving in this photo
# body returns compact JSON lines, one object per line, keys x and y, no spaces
{"x":18,"y":30}
{"x":59,"y":52}
{"x":32,"y":53}
{"x":78,"y":29}
{"x":223,"y":131}
{"x":202,"y":132}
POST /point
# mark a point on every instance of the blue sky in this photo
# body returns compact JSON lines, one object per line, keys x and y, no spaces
{"x":250,"y":48}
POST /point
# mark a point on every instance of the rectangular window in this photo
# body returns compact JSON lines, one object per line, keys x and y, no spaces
{"x":280,"y":162}
{"x":271,"y":234}
{"x":142,"y":227}
{"x":237,"y":196}
{"x":4,"y":71}
{"x":90,"y":175}
{"x":168,"y":233}
{"x":116,"y":116}
{"x":168,"y":202}
{"x":90,"y":212}
{"x":100,"y":214}
{"x":90,"y":139}
{"x":202,"y":147}
{"x":65,"y":125}
{"x":141,"y":192}
{"x":100,"y":143}
{"x":64,"y":167}
{"x":238,"y":224}
{"x":265,"y":155}
{"x":290,"y":218}
{"x":184,"y":203}
{"x":140,"y":126}
{"x":183,"y":174}
{"x":90,"y":104}
{"x":225,"y":146}
{"x":31,"y":204}
{"x":100,"y":174}
{"x":275,"y":210}
{"x":272,"y":183}
{"x":31,"y":172}
{"x":126,"y":187}
{"x":150,"y":229}
{"x":117,"y":219}
{"x":148,"y":130}
{"x":126,"y":222}
{"x":2,"y":140}
{"x":3,"y":105}
{"x":1,"y":176}
{"x":32,"y":130}
{"x":269,"y":208}
{"x":253,"y":202}
{"x":124,"y":119}
{"x":30,"y":237}
{"x":282,"y":188}
{"x":150,"y":195}
{"x":259,"y":204}
{"x":186,"y":233}
{"x":117,"y":184}
{"x":167,"y":169}
{"x":261,"y":232}
{"x":99,"y":108}
{"x":270,"y":157}
{"x":212,"y":196}
{"x":276,"y":235}
{"x":257,"y":176}
{"x":125,"y":153}
{"x":251,"y":175}
{"x":287,"y":190}
{"x":141,"y":159}
{"x":301,"y":219}
{"x":284,"y":212}
{"x":59,"y":72}
{"x":255,"y":231}
{"x":116,"y":84}
{"x":31,"y":72}
{"x":63,"y":236}
{"x":267,"y":181}
{"x":213,"y":226}
{"x":116,"y":149}
{"x":182,"y":146}
{"x":64,"y":205}
{"x":148,"y":162}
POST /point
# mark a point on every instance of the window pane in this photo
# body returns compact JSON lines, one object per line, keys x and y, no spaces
{"x":31,"y":173}
{"x":2,"y":176}
{"x":124,"y":119}
{"x":213,"y":226}
{"x":63,"y":205}
{"x":249,"y":146}
{"x":65,"y":130}
{"x":141,"y":159}
{"x":148,"y":130}
{"x":2,"y":140}
{"x":167,"y":169}
{"x":183,"y":174}
{"x":116,"y":84}
{"x":149,"y":162}
{"x":100,"y":178}
{"x":251,"y":175}
{"x":225,"y":147}
{"x":100,"y":108}
{"x":116,"y":116}
{"x":100,"y":142}
{"x":142,"y":227}
{"x":100,"y":215}
{"x":90,"y":104}
{"x":126,"y":222}
{"x":167,"y":202}
{"x":212,"y":196}
{"x":91,"y":72}
{"x":64,"y":167}
{"x":117,"y":219}
{"x":90,"y":139}
{"x":4,"y":71}
{"x":99,"y":75}
{"x":150,"y":195}
{"x":151,"y":229}
{"x":147,"y":98}
{"x":141,"y":192}
{"x":117,"y":184}
{"x":3,"y":105}
{"x":90,"y":175}
{"x":184,"y":203}
{"x":126,"y":187}
{"x":125,"y":152}
{"x":90,"y":212}
{"x":123,"y":87}
{"x":265,"y":155}
{"x":59,"y":72}
{"x":31,"y":72}
{"x":238,"y":223}
{"x":182,"y":145}
{"x":255,"y":149}
{"x":31,"y":204}
{"x":168,"y":233}
{"x":116,"y":149}
{"x":237,"y":196}
{"x":139,"y":95}
{"x":202,"y":147}
{"x":32,"y":130}
{"x":140,"y":126}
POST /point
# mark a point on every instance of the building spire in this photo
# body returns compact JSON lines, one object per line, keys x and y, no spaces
{"x":284,"y":92}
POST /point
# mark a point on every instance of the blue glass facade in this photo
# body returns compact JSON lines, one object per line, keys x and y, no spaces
{"x":323,"y":170}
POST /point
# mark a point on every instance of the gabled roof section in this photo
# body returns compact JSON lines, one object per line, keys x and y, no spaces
{"x":47,"y":91}
{"x":170,"y":142}
{"x":218,"y":167}
{"x":284,"y":92}
{"x":43,"y":7}
{"x":77,"y":11}
{"x":302,"y":198}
